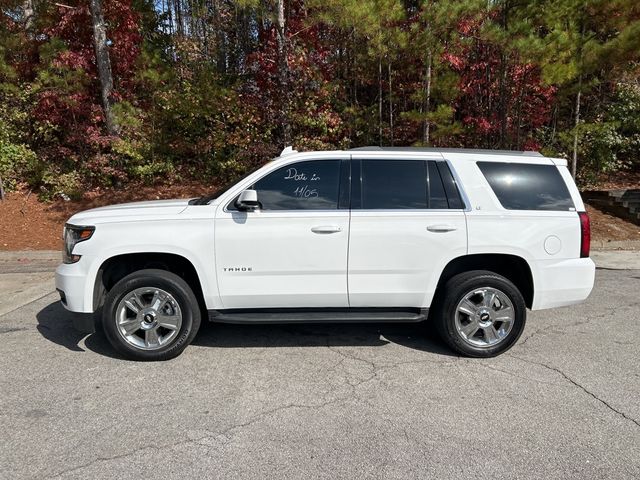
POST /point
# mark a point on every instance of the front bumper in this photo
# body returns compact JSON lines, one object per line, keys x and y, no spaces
{"x":71,"y":284}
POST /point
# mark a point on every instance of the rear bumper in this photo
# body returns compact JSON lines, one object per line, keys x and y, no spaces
{"x":559,"y":283}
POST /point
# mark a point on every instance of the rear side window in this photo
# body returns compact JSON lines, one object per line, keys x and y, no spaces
{"x":521,"y":186}
{"x":405,"y":184}
{"x":394,"y":184}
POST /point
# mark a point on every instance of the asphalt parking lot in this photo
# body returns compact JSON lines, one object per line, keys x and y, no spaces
{"x":322,"y":401}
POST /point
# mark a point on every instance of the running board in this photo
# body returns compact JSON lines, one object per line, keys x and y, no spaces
{"x":318,"y":315}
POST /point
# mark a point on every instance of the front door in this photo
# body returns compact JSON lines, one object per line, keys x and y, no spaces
{"x":292,"y":251}
{"x":405,"y":227}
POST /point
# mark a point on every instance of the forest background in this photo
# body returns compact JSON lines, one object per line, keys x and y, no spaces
{"x":103,"y":93}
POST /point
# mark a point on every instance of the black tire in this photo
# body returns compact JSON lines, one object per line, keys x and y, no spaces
{"x":455,"y":289}
{"x":170,"y":283}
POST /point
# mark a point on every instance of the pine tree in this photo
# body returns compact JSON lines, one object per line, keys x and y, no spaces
{"x":586,"y":43}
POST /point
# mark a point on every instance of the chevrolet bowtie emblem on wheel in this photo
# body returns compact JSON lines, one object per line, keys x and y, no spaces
{"x":236,"y":269}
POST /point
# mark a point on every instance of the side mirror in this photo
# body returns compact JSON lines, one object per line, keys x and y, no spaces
{"x":248,"y":200}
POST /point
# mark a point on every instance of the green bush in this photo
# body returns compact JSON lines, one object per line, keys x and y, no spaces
{"x":612,"y":142}
{"x":17,"y":164}
{"x":150,"y":172}
{"x":55,"y":184}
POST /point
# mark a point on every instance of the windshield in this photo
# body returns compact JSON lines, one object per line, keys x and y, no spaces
{"x":212,"y":196}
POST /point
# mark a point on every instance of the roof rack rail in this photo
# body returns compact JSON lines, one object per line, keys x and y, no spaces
{"x":448,"y":150}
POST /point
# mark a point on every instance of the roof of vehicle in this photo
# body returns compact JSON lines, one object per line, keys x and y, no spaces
{"x":450,"y":153}
{"x":450,"y":150}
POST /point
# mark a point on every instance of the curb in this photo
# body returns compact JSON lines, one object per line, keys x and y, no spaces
{"x":616,"y":259}
{"x":615,"y":245}
{"x":29,"y":261}
{"x":16,"y":255}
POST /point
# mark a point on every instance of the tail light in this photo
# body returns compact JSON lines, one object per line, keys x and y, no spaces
{"x":585,"y":234}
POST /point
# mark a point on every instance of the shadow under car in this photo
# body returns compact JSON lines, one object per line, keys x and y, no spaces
{"x":56,"y":325}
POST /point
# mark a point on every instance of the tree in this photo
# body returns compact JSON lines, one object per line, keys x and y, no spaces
{"x":283,"y":72}
{"x":375,"y":32}
{"x":586,"y":43}
{"x":103,"y":64}
{"x":104,"y":91}
{"x":434,"y":36}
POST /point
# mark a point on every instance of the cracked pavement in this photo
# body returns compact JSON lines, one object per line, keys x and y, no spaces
{"x":323,"y":401}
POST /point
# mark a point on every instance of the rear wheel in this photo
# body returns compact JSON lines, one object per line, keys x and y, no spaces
{"x":480,"y":314}
{"x":151,"y":315}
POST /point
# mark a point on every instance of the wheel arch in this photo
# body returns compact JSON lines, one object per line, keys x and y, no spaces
{"x":116,"y":267}
{"x":516,"y":269}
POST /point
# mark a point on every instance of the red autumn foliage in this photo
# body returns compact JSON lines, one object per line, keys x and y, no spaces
{"x":526,"y":100}
{"x":309,"y":81}
{"x":73,"y":27}
{"x":74,"y":107}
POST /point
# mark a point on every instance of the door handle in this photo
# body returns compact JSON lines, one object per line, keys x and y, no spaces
{"x":326,"y":229}
{"x":441,"y":228}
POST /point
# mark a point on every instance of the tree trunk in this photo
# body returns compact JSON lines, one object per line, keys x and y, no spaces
{"x":27,"y":10}
{"x":554,"y":121}
{"x":484,"y":99}
{"x":103,"y":64}
{"x":519,"y":112}
{"x":502,"y":102}
{"x":390,"y":105}
{"x":502,"y":81}
{"x":283,"y":74}
{"x":220,"y":46}
{"x":427,"y":104}
{"x":170,"y":23}
{"x":380,"y":100}
{"x":179,"y":20}
{"x":574,"y":163}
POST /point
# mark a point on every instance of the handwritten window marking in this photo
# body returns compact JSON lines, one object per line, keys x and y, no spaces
{"x":311,"y":185}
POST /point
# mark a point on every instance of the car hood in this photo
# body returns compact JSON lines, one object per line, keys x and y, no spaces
{"x":130,"y":211}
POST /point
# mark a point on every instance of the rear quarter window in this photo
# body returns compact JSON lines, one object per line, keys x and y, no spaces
{"x":522,"y":186}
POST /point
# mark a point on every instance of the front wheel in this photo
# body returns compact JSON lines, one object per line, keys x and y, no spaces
{"x":480,"y":314}
{"x":151,"y":315}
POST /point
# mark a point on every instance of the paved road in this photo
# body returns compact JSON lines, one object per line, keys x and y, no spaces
{"x":359,"y":401}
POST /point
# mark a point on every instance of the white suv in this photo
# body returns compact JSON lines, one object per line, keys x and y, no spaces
{"x":467,"y":238}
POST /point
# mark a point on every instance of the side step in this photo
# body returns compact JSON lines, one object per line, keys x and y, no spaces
{"x":318,"y":315}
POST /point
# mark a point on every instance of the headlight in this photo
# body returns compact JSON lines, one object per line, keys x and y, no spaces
{"x":74,"y":234}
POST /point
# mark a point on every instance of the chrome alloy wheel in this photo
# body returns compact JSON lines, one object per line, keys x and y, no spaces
{"x":484,"y":317}
{"x":148,"y":318}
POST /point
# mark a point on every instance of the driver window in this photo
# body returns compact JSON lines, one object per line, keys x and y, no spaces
{"x":311,"y":185}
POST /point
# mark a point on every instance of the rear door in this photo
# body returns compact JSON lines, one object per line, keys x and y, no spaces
{"x":407,"y":223}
